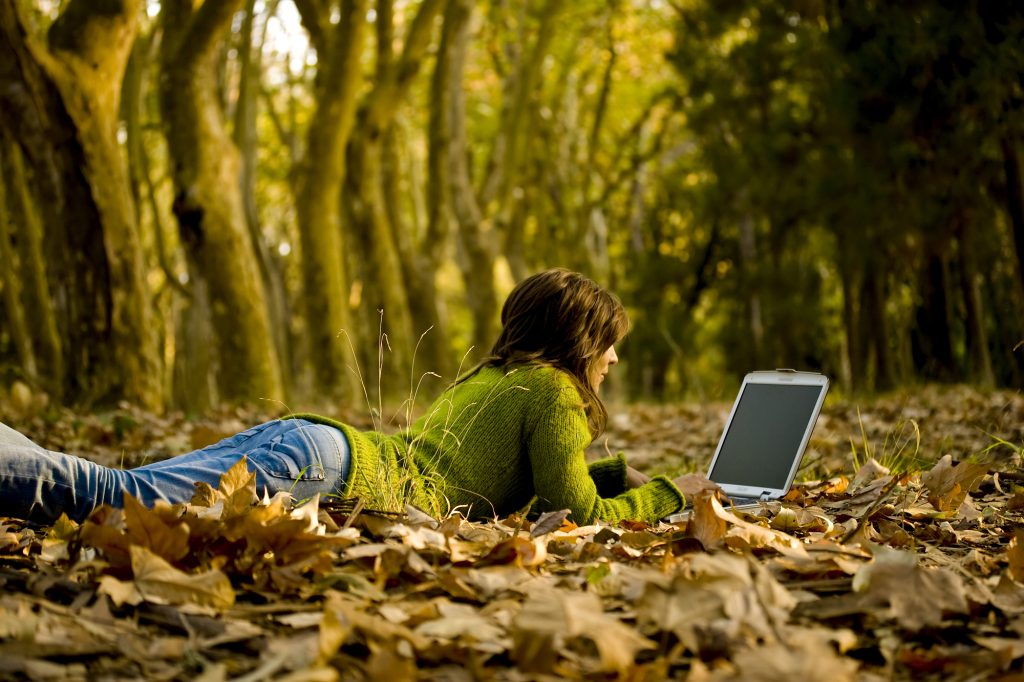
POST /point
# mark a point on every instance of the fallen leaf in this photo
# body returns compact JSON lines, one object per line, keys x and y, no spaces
{"x":517,"y":551}
{"x":705,"y":524}
{"x":807,"y":656}
{"x":551,"y":618}
{"x":157,"y":580}
{"x":1015,"y":556}
{"x":900,"y":588}
{"x":948,"y":484}
{"x":148,"y":528}
{"x":548,"y":522}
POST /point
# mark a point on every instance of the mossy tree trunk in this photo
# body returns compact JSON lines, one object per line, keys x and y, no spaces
{"x":386,"y":275}
{"x":318,"y":193}
{"x":486,"y":213}
{"x":208,"y":203}
{"x":63,"y":101}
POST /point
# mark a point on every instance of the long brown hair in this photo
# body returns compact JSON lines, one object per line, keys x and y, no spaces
{"x":564,"y":319}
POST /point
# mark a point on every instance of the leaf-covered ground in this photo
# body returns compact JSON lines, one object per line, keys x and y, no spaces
{"x":911,"y":573}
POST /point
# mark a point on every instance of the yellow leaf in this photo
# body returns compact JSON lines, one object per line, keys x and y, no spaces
{"x":157,"y":580}
{"x":63,"y":528}
{"x":237,"y":478}
{"x":148,"y":529}
{"x":205,"y":495}
{"x":1015,"y":556}
{"x":119,"y":591}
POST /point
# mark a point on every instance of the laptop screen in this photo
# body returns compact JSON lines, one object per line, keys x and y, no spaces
{"x":765,"y":433}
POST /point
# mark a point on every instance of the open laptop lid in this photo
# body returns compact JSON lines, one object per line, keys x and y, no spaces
{"x":766,"y":433}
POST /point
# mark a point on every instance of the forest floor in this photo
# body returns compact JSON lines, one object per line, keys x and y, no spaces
{"x":898,"y":555}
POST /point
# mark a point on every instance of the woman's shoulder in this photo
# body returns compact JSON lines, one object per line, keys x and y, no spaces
{"x":531,"y":375}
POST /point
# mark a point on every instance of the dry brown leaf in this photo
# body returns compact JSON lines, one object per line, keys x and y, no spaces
{"x":900,"y":588}
{"x":1015,"y":556}
{"x":548,"y":522}
{"x":807,"y":656}
{"x":744,"y":534}
{"x":158,"y":532}
{"x":518,"y":551}
{"x":465,"y":624}
{"x":705,"y":524}
{"x":551,"y":619}
{"x":948,"y":484}
{"x":158,"y":581}
{"x":728,"y":594}
{"x":869,"y":472}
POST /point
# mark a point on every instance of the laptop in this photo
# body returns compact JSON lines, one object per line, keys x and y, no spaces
{"x":764,"y":438}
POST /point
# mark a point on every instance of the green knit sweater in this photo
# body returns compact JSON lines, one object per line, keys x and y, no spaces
{"x":488,"y":445}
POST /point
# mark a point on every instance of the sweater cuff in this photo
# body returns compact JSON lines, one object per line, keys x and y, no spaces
{"x":609,"y":475}
{"x":666,"y":498}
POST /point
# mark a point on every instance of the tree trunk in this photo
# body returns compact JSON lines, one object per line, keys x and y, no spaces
{"x":384,"y":282}
{"x":245,"y":137}
{"x":979,"y":360}
{"x":73,"y":111}
{"x":208,"y":202}
{"x":930,"y":338}
{"x":876,"y":326}
{"x":40,"y":316}
{"x":319,"y":194}
{"x":422,"y":258}
{"x":852,"y":305}
{"x":476,"y":237}
{"x":1015,"y":201}
{"x":10,"y":287}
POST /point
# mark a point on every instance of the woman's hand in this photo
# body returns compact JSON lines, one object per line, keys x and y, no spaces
{"x":692,"y":484}
{"x":634,"y":478}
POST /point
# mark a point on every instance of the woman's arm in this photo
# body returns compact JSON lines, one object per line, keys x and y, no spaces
{"x":560,"y":475}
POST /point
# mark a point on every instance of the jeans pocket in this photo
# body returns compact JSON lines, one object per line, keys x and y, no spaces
{"x":294,"y":455}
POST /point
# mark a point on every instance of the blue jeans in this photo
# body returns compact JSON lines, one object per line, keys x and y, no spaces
{"x":290,"y":455}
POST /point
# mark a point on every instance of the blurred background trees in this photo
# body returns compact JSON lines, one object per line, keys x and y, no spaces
{"x":309,"y":201}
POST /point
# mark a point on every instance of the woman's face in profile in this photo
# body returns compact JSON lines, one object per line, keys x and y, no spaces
{"x":604,"y":363}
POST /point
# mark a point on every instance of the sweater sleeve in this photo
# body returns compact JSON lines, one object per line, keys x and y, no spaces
{"x":562,"y":479}
{"x":609,"y":475}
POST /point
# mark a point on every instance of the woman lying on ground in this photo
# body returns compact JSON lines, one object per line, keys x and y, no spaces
{"x":513,"y":429}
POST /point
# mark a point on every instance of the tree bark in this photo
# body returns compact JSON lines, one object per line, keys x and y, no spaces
{"x":40,"y":315}
{"x":1015,"y":200}
{"x":208,"y":202}
{"x":10,"y":287}
{"x":246,"y":138}
{"x":979,"y":358}
{"x":319,"y":191}
{"x":475,"y":236}
{"x":876,"y":326}
{"x":930,"y":338}
{"x":385,"y":286}
{"x":71,"y":87}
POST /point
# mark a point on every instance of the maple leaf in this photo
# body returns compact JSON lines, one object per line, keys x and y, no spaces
{"x":148,"y":528}
{"x":551,"y":618}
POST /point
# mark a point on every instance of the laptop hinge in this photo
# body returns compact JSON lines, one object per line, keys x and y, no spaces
{"x":765,"y":496}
